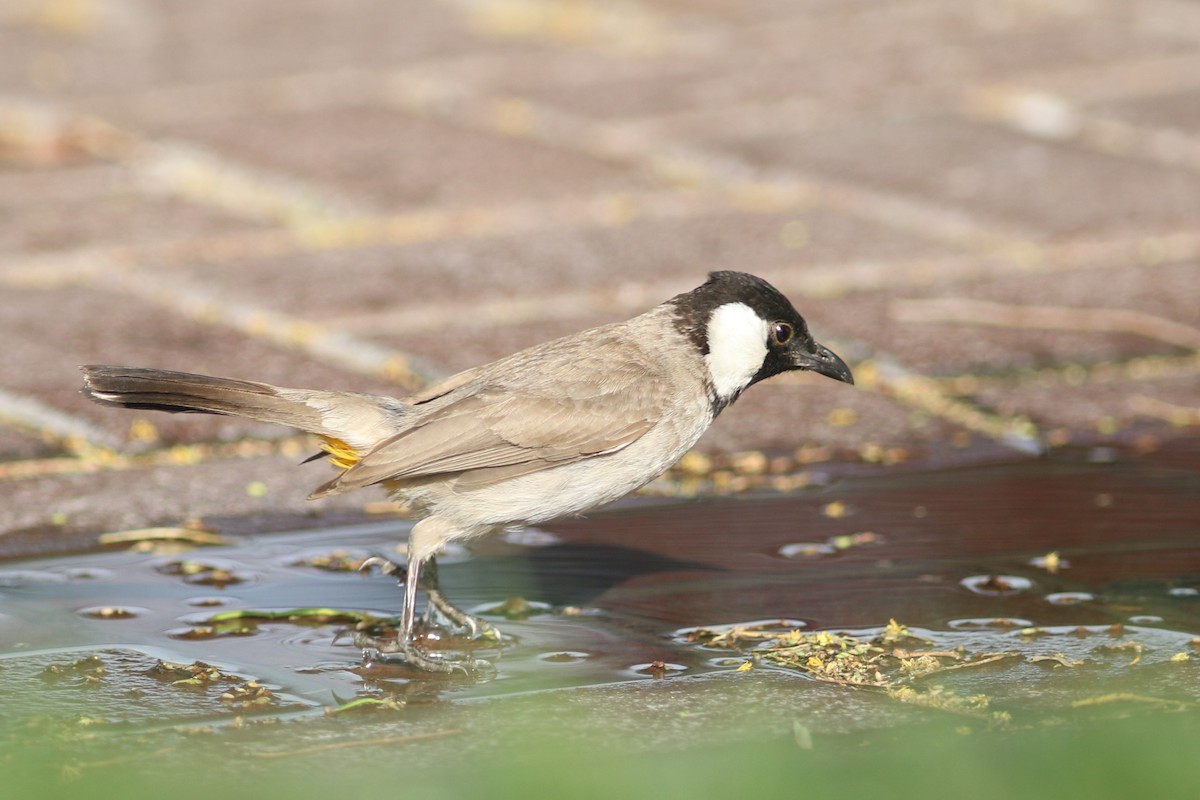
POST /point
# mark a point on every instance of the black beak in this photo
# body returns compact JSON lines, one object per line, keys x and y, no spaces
{"x":822,"y":361}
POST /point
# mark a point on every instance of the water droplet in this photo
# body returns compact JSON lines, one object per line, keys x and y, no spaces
{"x":836,"y":510}
{"x":1184,"y":591}
{"x":1146,"y":619}
{"x":848,"y":540}
{"x":1051,"y":562}
{"x":997,"y":585}
{"x":1069,"y":598}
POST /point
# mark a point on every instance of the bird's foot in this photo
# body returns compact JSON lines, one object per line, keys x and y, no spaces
{"x":392,"y":652}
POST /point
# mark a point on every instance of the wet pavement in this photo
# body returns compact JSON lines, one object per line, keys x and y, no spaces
{"x":1048,"y":592}
{"x":990,"y":209}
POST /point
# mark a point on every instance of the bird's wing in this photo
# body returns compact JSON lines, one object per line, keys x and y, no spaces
{"x":589,"y":409}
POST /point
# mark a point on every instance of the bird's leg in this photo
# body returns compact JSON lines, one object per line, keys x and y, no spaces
{"x":411,"y":581}
{"x":404,"y":647}
{"x":476,"y":627}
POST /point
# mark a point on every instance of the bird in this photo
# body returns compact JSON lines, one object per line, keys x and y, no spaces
{"x":554,"y":430}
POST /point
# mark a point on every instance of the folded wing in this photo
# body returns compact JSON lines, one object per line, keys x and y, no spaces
{"x":497,"y":431}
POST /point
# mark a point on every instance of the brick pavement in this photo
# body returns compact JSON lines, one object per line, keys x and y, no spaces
{"x":991,"y":208}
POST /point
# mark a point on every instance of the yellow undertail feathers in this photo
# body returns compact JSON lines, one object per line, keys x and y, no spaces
{"x":341,"y":455}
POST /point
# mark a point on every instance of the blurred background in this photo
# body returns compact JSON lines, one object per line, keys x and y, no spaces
{"x":991,"y":209}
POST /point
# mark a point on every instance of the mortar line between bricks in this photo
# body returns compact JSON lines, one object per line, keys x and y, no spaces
{"x":514,"y":117}
{"x":96,"y":265}
{"x":320,"y":219}
{"x":29,"y":414}
{"x":1142,"y":78}
{"x":520,"y":118}
{"x":1137,"y":368}
{"x":204,"y":177}
{"x":1051,"y":117}
{"x":190,"y":171}
{"x":813,"y":280}
{"x":697,"y":167}
{"x":182,"y":169}
{"x":626,"y":29}
{"x":601,"y":211}
{"x":102,"y":459}
{"x":194,"y":173}
{"x":330,"y":346}
{"x":886,"y":374}
{"x":1023,"y":316}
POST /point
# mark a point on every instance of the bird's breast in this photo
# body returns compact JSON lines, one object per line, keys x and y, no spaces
{"x":581,"y":485}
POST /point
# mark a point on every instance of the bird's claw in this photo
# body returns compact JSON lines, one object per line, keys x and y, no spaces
{"x":386,"y":567}
{"x":474,"y":626}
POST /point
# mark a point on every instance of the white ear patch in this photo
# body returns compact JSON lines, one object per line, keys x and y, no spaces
{"x":737,"y":345}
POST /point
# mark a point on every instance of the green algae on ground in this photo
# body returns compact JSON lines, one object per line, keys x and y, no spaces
{"x":980,"y":662}
{"x":892,"y":660}
{"x":300,"y":616}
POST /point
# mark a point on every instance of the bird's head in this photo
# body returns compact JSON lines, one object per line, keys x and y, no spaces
{"x":746,"y":330}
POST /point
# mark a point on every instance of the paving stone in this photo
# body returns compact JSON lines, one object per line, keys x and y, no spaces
{"x":59,"y":507}
{"x":836,"y":59}
{"x":17,"y":445}
{"x":363,"y":289}
{"x":867,"y":95}
{"x":162,"y":43}
{"x":1177,"y":111}
{"x":395,"y":160}
{"x":1095,"y":411}
{"x":784,"y":414}
{"x":939,"y":347}
{"x":93,"y":203}
{"x":1049,"y":189}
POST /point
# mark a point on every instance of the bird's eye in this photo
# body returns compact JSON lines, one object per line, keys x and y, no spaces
{"x":781,"y":333}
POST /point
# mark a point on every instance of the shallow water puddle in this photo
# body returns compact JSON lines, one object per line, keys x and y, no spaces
{"x":1043,"y":586}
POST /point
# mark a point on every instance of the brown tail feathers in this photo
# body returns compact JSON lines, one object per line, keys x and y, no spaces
{"x":165,"y":390}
